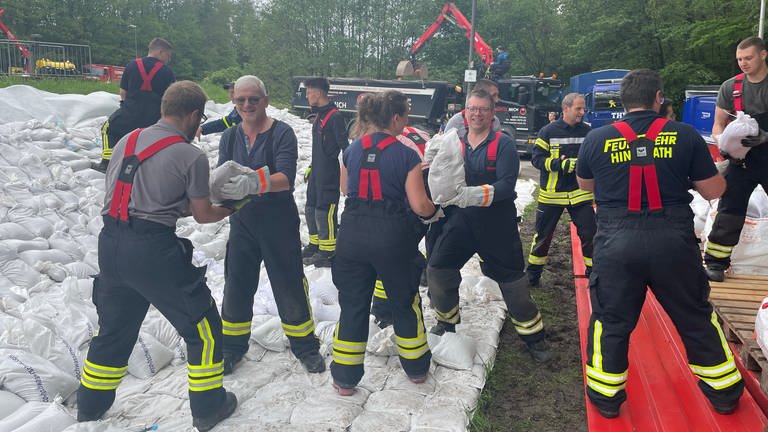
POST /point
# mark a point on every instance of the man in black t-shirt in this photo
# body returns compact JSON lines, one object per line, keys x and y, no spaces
{"x":142,"y":87}
{"x":640,"y":170}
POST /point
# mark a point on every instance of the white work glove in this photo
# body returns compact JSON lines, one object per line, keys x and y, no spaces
{"x":722,"y":166}
{"x":252,"y":183}
{"x":473,"y":196}
{"x":426,"y":220}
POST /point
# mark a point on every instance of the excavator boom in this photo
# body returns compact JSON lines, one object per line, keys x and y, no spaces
{"x":452,"y":14}
{"x":16,"y":42}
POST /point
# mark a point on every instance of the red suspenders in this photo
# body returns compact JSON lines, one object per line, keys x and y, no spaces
{"x":642,"y":165}
{"x":369,"y":168}
{"x":737,"y":85}
{"x":493,"y":149}
{"x":121,"y":196}
{"x":326,"y":118}
{"x":416,"y":138}
{"x":146,"y":78}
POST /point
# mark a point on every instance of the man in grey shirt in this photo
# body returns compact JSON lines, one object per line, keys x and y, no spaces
{"x":156,"y":176}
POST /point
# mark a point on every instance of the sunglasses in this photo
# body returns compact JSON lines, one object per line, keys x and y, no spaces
{"x":252,"y":100}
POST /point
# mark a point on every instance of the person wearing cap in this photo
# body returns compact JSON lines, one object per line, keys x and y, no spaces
{"x":224,"y":123}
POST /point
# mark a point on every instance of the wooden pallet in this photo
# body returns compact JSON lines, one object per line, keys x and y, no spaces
{"x":736,"y":301}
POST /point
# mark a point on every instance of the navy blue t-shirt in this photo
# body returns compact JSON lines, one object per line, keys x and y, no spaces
{"x":131,"y":80}
{"x":395,"y":163}
{"x":680,"y":155}
{"x":504,"y":178}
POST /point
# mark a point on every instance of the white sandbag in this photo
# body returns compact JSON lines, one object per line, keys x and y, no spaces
{"x":34,"y":378}
{"x":22,"y":416}
{"x":446,"y":174}
{"x":56,"y":256}
{"x":12,"y":230}
{"x":452,"y":350}
{"x":381,"y":342}
{"x":79,"y":270}
{"x":25,"y":245}
{"x":12,"y":332}
{"x":148,"y":357}
{"x":44,"y":342}
{"x":9,"y":403}
{"x":730,"y":140}
{"x":100,"y":426}
{"x":324,"y":290}
{"x":53,"y":419}
{"x":324,"y":312}
{"x":63,"y":241}
{"x":20,"y":273}
{"x":221,"y":176}
{"x":55,"y":271}
{"x":761,"y":326}
{"x":270,"y":335}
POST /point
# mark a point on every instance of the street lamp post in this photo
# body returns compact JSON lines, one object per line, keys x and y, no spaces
{"x":135,"y":41}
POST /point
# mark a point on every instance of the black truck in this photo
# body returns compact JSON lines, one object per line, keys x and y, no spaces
{"x":526,"y":102}
{"x":432,"y":102}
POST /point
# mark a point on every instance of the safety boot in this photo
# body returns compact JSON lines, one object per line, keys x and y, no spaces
{"x":608,"y":413}
{"x":441,"y":327}
{"x":725,"y":408}
{"x":715,"y":275}
{"x":100,"y":166}
{"x":313,"y":362}
{"x":534,"y":272}
{"x":320,"y":259}
{"x":540,"y":351}
{"x":86,"y":417}
{"x":309,"y":250}
{"x":204,"y":424}
{"x":230,"y":360}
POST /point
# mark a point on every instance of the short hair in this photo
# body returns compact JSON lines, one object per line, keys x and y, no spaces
{"x":480,"y":93}
{"x":486,"y":84}
{"x":182,"y":98}
{"x":570,"y":98}
{"x":639,"y":87}
{"x":160,"y":44}
{"x":500,"y":47}
{"x":319,"y":83}
{"x":378,"y":109}
{"x":251,"y":81}
{"x":752,"y":41}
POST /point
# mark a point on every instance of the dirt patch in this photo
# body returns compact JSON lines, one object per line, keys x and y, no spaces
{"x":522,"y":395}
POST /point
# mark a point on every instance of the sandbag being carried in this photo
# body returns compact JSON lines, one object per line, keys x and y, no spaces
{"x":730,"y":140}
{"x":446,"y":172}
{"x":221,"y":175}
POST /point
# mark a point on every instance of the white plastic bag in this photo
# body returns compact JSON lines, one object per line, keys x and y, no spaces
{"x":9,"y":403}
{"x":270,"y":335}
{"x":452,"y":350}
{"x":761,"y":326}
{"x":446,"y":172}
{"x":53,"y":419}
{"x":33,"y":377}
{"x":221,"y":175}
{"x":730,"y":140}
{"x":148,"y":357}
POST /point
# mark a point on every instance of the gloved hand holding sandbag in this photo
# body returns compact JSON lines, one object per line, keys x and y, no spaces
{"x":446,"y":166}
{"x":221,"y":176}
{"x":252,"y":182}
{"x":473,"y":196}
{"x":730,"y":141}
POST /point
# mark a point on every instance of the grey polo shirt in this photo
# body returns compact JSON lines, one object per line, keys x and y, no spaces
{"x":165,"y":182}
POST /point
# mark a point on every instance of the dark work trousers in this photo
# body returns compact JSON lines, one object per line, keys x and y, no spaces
{"x":376,"y":241}
{"x":656,"y":250}
{"x":144,"y":263}
{"x":731,"y":213}
{"x":547,"y":218}
{"x":493,"y":234}
{"x":267,"y":230}
{"x":322,"y":226}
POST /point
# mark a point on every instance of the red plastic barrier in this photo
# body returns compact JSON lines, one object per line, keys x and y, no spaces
{"x":662,"y":393}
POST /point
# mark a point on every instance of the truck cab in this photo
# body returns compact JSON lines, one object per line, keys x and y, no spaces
{"x":602,"y":94}
{"x":524,"y":107}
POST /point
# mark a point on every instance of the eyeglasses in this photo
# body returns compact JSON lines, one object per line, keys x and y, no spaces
{"x":252,"y":100}
{"x":478,"y":109}
{"x":203,"y":117}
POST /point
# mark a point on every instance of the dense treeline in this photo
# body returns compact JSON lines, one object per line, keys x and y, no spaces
{"x":689,"y":41}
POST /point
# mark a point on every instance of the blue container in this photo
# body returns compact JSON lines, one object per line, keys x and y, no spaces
{"x":699,"y":112}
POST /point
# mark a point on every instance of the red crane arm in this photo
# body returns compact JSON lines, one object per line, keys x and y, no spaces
{"x":451,"y":13}
{"x":15,"y":41}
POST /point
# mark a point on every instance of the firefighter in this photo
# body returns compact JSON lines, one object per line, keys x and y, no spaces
{"x":222,"y":124}
{"x":645,"y":237}
{"x":415,"y":139}
{"x":746,"y":92}
{"x":554,"y":154}
{"x":329,"y":138}
{"x":142,"y":261}
{"x":379,"y":235}
{"x":265,"y":229}
{"x":460,"y":120}
{"x":482,"y":219}
{"x":142,"y":86}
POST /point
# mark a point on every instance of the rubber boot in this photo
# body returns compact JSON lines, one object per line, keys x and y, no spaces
{"x":444,"y":293}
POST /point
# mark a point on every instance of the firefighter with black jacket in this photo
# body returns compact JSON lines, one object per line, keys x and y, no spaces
{"x":482,"y":219}
{"x":379,"y":235}
{"x":265,"y":229}
{"x":554,"y":154}
{"x":157,"y":177}
{"x":640,"y":170}
{"x":142,"y":87}
{"x":746,"y":92}
{"x":329,"y":138}
{"x":226,"y":122}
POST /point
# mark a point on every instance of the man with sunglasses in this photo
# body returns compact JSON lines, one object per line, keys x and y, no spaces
{"x":265,"y":229}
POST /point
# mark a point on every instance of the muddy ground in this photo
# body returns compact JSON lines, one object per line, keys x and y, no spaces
{"x":520,"y":394}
